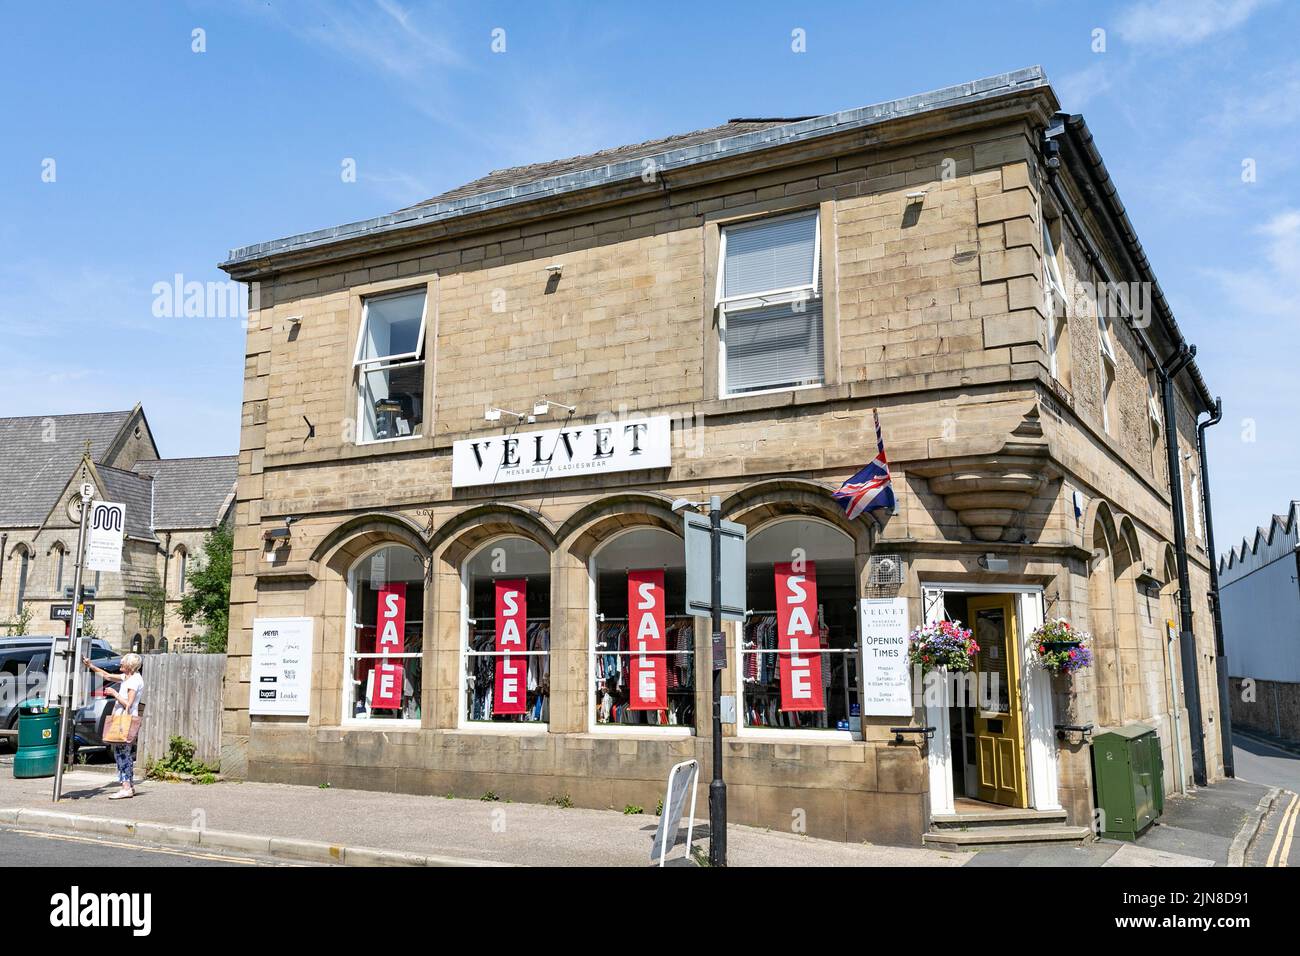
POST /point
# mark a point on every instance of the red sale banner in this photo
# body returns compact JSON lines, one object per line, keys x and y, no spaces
{"x":391,"y":626}
{"x":390,"y":638}
{"x":649,"y":671}
{"x":797,"y":638}
{"x":386,"y":685}
{"x":510,"y":692}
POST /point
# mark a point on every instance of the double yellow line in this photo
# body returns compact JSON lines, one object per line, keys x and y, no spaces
{"x":1280,"y":852}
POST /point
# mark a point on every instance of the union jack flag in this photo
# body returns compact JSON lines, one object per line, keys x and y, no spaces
{"x":871,"y":488}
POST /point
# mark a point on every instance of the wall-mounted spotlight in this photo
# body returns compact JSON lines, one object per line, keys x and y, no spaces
{"x":991,"y":562}
{"x":918,"y":196}
{"x":555,"y":268}
{"x":493,"y":414}
{"x":294,"y":320}
{"x":543,"y":405}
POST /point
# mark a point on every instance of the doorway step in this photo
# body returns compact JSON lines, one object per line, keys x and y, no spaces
{"x":1000,"y":827}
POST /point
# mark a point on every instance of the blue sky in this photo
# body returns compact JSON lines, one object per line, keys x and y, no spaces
{"x":165,"y":158}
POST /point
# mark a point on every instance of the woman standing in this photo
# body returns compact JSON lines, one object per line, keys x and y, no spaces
{"x":128,"y":702}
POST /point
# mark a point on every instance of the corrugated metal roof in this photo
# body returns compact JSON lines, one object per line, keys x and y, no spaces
{"x":1279,"y":540}
{"x":38,"y":454}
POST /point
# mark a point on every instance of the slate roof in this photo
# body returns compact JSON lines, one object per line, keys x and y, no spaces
{"x":134,"y":491}
{"x":38,"y":454}
{"x":517,"y":175}
{"x":189,"y":492}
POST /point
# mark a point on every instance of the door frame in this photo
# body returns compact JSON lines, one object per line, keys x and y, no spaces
{"x":1041,"y":772}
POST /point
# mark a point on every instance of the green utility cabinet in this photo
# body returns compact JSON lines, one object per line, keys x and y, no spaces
{"x":1128,"y":776}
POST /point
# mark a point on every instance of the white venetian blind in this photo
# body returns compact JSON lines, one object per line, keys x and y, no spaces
{"x":772,"y":321}
{"x":767,"y":256}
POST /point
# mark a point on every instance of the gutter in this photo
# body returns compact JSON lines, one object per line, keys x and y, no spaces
{"x":1220,"y":654}
{"x":256,"y":257}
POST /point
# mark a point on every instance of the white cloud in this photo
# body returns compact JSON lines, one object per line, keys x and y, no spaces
{"x":1183,"y":22}
{"x":1273,"y":288}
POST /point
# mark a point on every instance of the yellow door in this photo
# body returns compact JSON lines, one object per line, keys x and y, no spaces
{"x":999,"y":739}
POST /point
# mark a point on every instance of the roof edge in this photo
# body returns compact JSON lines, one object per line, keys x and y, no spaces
{"x":973,"y":91}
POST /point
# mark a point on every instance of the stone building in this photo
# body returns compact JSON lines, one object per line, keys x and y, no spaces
{"x":482,"y":407}
{"x":171,"y":505}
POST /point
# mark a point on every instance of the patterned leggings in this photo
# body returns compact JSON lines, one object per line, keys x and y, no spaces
{"x":123,"y":754}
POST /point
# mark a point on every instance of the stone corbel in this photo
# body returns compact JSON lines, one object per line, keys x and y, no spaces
{"x":991,"y":493}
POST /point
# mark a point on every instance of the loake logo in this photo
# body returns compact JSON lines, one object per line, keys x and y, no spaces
{"x":76,"y":909}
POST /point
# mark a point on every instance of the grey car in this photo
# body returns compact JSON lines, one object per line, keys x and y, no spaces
{"x":24,"y":663}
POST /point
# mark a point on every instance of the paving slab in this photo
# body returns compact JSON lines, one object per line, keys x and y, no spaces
{"x":470,"y":830}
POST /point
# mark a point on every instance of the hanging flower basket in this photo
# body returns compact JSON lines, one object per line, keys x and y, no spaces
{"x":943,"y":644}
{"x":1059,"y":649}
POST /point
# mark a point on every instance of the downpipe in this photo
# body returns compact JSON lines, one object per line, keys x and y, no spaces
{"x":1220,"y":654}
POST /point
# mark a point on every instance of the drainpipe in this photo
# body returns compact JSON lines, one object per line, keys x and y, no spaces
{"x":1187,"y":640}
{"x":1220,"y":655}
{"x":162,"y":622}
{"x":4,"y":542}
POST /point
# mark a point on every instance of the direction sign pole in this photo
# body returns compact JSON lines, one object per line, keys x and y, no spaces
{"x":67,"y":702}
{"x":717,"y":788}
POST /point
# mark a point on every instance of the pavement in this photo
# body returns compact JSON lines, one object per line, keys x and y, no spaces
{"x":392,"y":828}
{"x":1234,"y":822}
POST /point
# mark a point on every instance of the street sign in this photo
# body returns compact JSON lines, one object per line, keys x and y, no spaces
{"x":63,"y":612}
{"x":684,"y":776}
{"x":699,"y":568}
{"x":104,"y":536}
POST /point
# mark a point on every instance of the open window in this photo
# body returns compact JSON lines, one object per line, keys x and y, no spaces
{"x":1055,"y":305}
{"x":769,"y":302}
{"x":389,"y":366}
{"x":1109,"y":393}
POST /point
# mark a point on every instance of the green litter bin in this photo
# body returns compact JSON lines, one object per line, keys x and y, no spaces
{"x":38,"y":740}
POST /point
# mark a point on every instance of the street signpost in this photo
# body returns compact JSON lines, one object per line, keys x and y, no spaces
{"x":683,"y":776}
{"x":715,"y":585}
{"x":66,"y":696}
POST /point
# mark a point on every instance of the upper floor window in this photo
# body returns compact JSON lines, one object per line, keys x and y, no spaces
{"x":23,"y":563}
{"x":1109,"y":395}
{"x":1153,"y":414}
{"x":770,"y":304}
{"x":181,"y":562}
{"x":1055,"y":299}
{"x":389,"y":366}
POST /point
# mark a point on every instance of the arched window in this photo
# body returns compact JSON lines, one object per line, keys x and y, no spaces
{"x":643,"y":655}
{"x":507,"y":628}
{"x":61,"y":553}
{"x":181,"y":561}
{"x":798,"y":656}
{"x":384,"y":667}
{"x":24,"y":562}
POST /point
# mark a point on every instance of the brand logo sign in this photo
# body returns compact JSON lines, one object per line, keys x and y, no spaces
{"x":510,"y":689}
{"x":797,"y":641}
{"x":626,"y":445}
{"x":104,"y":536}
{"x":645,"y":601}
{"x":279,"y":679}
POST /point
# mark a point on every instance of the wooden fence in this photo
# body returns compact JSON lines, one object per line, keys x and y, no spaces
{"x":182,"y":697}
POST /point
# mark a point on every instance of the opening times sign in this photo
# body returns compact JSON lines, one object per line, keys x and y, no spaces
{"x":886,"y":682}
{"x":510,"y":689}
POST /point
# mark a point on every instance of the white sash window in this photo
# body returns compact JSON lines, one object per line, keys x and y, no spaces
{"x":770,"y":305}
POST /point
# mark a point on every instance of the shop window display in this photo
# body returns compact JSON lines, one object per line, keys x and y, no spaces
{"x":643,"y":658}
{"x":798,"y":654}
{"x":385,"y":653}
{"x":507,"y":664}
